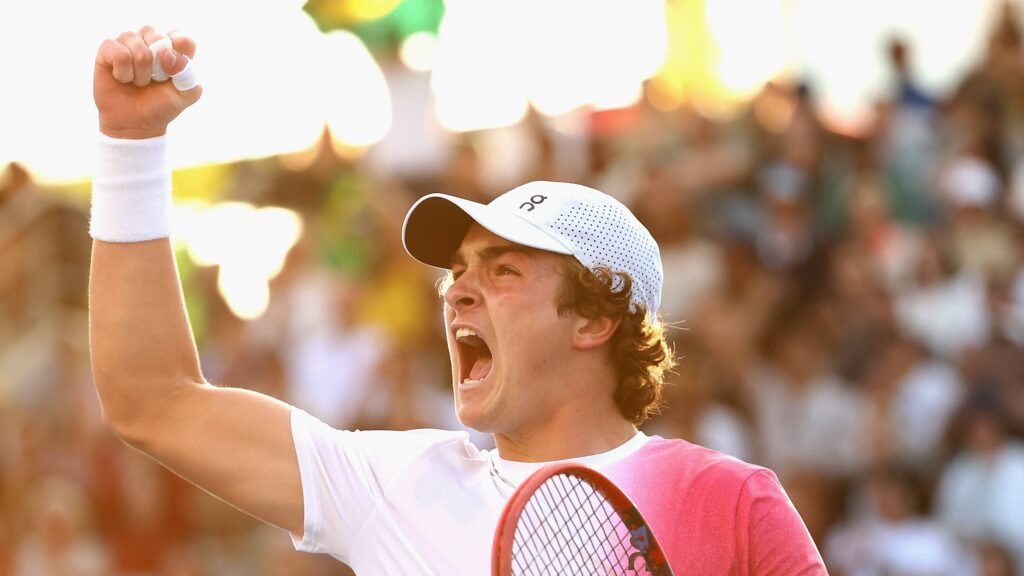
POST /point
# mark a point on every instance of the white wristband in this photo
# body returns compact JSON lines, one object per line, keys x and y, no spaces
{"x":131,"y":190}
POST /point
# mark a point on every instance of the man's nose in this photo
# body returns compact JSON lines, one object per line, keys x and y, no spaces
{"x":464,"y":292}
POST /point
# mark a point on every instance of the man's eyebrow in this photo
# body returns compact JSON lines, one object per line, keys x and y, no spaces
{"x":491,"y":253}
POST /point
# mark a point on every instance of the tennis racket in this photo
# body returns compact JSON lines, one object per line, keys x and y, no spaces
{"x":566,"y":520}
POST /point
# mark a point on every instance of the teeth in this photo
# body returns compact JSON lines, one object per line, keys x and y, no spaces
{"x":464,"y":332}
{"x":470,"y":381}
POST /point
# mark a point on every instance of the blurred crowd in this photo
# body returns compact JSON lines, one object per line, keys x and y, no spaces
{"x":848,"y":308}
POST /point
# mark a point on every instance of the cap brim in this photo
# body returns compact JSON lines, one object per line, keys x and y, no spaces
{"x":437,"y":223}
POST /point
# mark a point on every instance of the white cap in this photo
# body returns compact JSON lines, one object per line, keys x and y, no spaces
{"x":554,"y":216}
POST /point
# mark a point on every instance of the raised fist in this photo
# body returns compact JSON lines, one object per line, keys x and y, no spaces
{"x":131,"y":105}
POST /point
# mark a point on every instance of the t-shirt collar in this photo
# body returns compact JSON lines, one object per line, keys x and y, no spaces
{"x":515,"y":472}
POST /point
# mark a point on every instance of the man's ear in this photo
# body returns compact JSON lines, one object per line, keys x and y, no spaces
{"x":590,"y":333}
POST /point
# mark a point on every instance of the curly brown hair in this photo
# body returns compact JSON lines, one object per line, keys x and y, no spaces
{"x":640,"y":351}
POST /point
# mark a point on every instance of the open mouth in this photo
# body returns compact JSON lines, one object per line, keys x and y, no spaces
{"x":475,"y":358}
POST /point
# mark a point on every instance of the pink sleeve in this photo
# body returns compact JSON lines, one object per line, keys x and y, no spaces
{"x":772,"y":538}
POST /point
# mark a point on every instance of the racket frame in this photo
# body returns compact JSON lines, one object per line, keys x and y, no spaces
{"x":504,"y":535}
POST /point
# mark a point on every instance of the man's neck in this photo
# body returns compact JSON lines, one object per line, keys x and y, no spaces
{"x":583,"y":418}
{"x":556,"y":442}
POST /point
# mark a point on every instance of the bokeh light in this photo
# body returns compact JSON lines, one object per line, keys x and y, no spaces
{"x":248,"y":244}
{"x":419,"y":51}
{"x":357,"y":101}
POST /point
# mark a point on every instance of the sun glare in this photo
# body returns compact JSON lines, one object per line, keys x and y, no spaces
{"x":260,"y":98}
{"x":247,"y":244}
{"x":355,"y":95}
{"x":751,"y":48}
{"x":477,"y":79}
{"x":490,"y":61}
{"x":495,"y":57}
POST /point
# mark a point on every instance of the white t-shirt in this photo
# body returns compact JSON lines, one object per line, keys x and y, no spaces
{"x":416,"y":502}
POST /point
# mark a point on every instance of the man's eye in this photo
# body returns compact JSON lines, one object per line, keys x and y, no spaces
{"x":503,"y":270}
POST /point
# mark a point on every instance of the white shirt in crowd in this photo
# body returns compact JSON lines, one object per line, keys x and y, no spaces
{"x":981,"y":498}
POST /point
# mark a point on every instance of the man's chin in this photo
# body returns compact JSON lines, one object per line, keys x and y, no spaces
{"x":472,"y":418}
{"x":475,"y":404}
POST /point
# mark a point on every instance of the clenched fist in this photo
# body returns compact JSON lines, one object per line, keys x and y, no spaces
{"x":130,"y":104}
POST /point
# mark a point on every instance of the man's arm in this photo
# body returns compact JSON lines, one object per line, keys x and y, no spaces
{"x":234,"y":443}
{"x":772,"y":532}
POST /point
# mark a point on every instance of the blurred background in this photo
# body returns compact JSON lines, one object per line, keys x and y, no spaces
{"x":837,"y":189}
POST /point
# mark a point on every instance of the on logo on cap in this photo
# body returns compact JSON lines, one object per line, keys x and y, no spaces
{"x":533,"y":202}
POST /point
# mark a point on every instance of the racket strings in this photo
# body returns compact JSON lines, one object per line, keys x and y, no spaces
{"x":569,"y":528}
{"x":585,"y":540}
{"x":588,"y":508}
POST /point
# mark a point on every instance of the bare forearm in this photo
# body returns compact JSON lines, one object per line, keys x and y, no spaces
{"x":141,"y":343}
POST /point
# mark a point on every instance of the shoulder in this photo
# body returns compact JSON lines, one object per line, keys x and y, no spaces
{"x":697,"y":462}
{"x":381,"y":447}
{"x":691,"y":472}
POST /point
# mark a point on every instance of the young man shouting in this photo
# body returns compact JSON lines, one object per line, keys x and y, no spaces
{"x":556,"y":346}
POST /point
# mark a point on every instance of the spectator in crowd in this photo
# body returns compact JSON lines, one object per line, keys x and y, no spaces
{"x":894,"y":536}
{"x":979,"y":494}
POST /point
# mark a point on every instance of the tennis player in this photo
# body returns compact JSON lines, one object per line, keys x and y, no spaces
{"x":556,"y":347}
